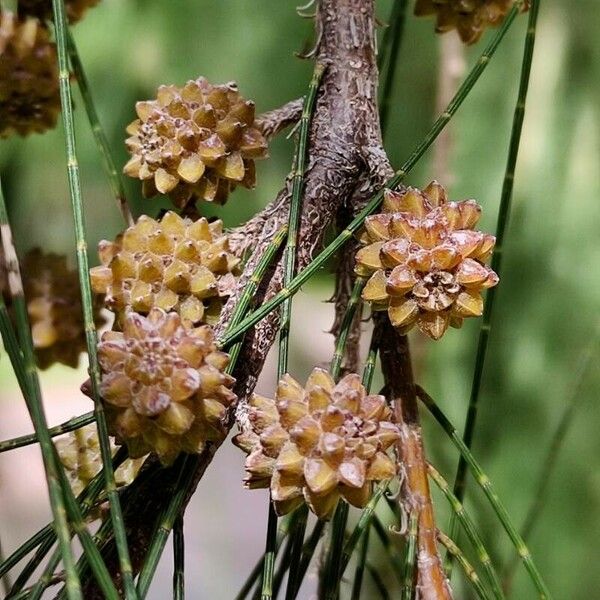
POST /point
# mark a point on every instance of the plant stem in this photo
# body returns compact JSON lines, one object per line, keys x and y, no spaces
{"x":496,"y":263}
{"x":331,"y":572}
{"x":60,"y":24}
{"x":360,"y":566}
{"x":23,"y":363}
{"x":114,"y":178}
{"x":465,"y":520}
{"x":378,"y":581}
{"x":466,"y":566}
{"x":486,"y":485}
{"x":376,"y":200}
{"x":66,"y":427}
{"x":296,"y":553}
{"x":408,"y":584}
{"x":179,"y":560}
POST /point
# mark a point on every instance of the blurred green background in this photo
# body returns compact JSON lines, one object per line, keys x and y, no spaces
{"x":547,"y":315}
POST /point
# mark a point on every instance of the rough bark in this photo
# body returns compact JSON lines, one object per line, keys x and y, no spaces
{"x":415,"y":496}
{"x":345,"y":157}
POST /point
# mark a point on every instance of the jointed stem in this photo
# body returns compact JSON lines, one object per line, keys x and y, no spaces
{"x":114,"y":178}
{"x":486,"y":485}
{"x":60,"y":24}
{"x":496,"y":263}
{"x":66,"y":427}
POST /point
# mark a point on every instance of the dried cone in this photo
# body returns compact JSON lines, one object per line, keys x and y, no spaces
{"x":175,"y":264}
{"x":79,"y":452}
{"x":55,"y":310}
{"x":42,"y":9}
{"x":318,"y":443}
{"x":29,"y":92}
{"x":194,"y":142}
{"x":470,"y":18}
{"x":424,"y":261}
{"x":164,"y":386}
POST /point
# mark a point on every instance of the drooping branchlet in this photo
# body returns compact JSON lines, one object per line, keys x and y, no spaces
{"x":194,"y":142}
{"x":318,"y":443}
{"x":164,"y":386}
{"x":174,"y":263}
{"x":424,"y":260}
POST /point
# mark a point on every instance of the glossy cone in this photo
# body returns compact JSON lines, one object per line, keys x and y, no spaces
{"x":163,"y":386}
{"x":175,"y":264}
{"x":318,"y":443}
{"x":470,"y":18}
{"x":424,"y":260}
{"x":29,"y":94}
{"x":194,"y":142}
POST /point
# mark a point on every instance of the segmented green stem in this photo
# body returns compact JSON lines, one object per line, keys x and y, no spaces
{"x":467,"y":523}
{"x":23,"y":363}
{"x":411,"y":557}
{"x":363,"y":524}
{"x":60,"y":25}
{"x":376,"y":200}
{"x":296,"y":553}
{"x":22,"y":551}
{"x":308,"y":551}
{"x":360,"y":566}
{"x":289,"y":267}
{"x":496,"y":263}
{"x":465,"y":565}
{"x":179,"y":560}
{"x":485,"y":484}
{"x":87,"y":499}
{"x":6,"y":580}
{"x":114,"y":177}
{"x":332,"y":575}
{"x":388,"y":60}
{"x":353,"y":303}
{"x":66,"y":427}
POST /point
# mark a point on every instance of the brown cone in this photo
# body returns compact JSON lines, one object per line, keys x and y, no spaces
{"x":29,"y":92}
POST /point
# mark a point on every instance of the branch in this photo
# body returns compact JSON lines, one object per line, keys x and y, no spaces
{"x":415,"y":494}
{"x":272,"y":122}
{"x":344,"y":133}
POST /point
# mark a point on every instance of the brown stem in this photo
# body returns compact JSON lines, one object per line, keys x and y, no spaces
{"x":431,"y":582}
{"x":272,"y":122}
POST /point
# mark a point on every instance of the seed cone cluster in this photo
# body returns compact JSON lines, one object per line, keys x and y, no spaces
{"x":164,"y":386}
{"x":318,"y":443}
{"x":55,"y":310}
{"x":424,"y":261}
{"x":29,"y":92}
{"x":470,"y":18}
{"x":175,"y":264}
{"x":79,"y":452}
{"x":194,"y":142}
{"x":42,"y":9}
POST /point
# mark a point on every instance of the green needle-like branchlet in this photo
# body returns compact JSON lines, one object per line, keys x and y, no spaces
{"x":411,"y":557}
{"x":23,"y":362}
{"x":360,"y":566}
{"x":60,"y":25}
{"x":376,"y":200}
{"x":485,"y":484}
{"x":496,"y":263}
{"x":178,"y":560}
{"x":465,"y":565}
{"x":66,"y":427}
{"x":467,"y":523}
{"x":114,"y":178}
{"x":289,"y":268}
